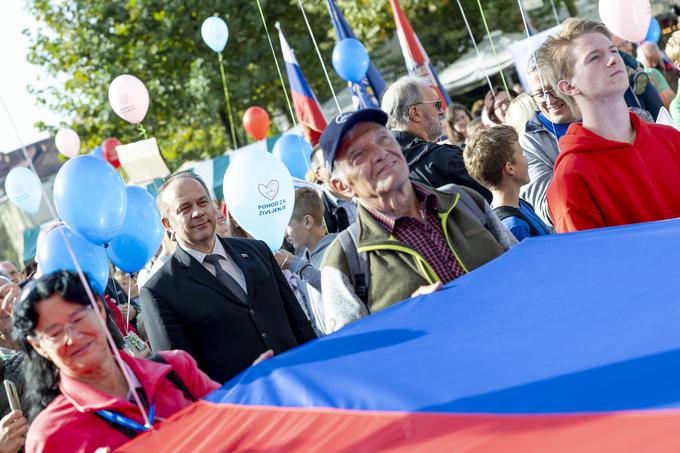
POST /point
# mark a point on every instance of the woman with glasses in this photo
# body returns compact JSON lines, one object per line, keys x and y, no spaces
{"x":496,"y":103}
{"x":81,"y":394}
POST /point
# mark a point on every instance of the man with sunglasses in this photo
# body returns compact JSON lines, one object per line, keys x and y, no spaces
{"x":415,"y":119}
{"x":541,"y":135}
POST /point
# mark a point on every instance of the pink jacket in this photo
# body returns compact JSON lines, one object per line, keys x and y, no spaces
{"x":69,"y":423}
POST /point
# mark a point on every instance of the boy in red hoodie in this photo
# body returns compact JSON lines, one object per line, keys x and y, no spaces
{"x":613,"y":168}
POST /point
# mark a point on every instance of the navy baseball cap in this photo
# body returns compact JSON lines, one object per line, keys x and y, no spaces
{"x":341,"y":124}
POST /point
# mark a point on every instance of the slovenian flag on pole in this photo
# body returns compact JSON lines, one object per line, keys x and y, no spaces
{"x":417,"y":61}
{"x":367,"y":93}
{"x":307,"y":108}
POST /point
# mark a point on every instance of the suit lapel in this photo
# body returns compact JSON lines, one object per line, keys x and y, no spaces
{"x":244,"y":261}
{"x":199,"y":274}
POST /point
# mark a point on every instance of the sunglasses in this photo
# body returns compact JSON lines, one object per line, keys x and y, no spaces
{"x":437,"y":103}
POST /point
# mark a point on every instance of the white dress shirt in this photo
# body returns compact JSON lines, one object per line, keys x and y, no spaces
{"x":227,"y":263}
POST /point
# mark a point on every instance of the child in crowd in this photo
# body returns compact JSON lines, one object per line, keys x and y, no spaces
{"x":494,"y":158}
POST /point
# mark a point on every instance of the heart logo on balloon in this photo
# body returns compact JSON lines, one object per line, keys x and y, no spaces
{"x":270,"y":190}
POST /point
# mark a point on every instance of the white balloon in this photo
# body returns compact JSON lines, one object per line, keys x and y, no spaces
{"x":259,"y":193}
{"x":129,"y":98}
{"x":67,"y":142}
{"x":23,"y":188}
{"x":628,"y":20}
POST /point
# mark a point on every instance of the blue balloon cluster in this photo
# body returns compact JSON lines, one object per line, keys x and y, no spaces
{"x":295,"y":152}
{"x":350,"y":60}
{"x":100,"y":212}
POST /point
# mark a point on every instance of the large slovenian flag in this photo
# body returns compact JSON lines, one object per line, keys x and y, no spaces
{"x":367,"y":93}
{"x":566,"y":343}
{"x":307,"y":108}
{"x":417,"y":60}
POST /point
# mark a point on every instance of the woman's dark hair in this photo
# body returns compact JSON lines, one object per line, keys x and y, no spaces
{"x":455,"y":137}
{"x":490,"y":100}
{"x":42,"y":376}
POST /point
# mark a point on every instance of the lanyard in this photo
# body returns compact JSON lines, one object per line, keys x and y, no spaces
{"x":122,"y":420}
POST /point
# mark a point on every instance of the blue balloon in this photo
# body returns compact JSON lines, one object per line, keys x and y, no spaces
{"x":98,"y":153}
{"x":141,"y":235}
{"x":295,"y":152}
{"x":215,"y":33}
{"x":24,"y":189}
{"x":350,"y":60}
{"x":90,"y":198}
{"x":654,"y":31}
{"x":53,"y":255}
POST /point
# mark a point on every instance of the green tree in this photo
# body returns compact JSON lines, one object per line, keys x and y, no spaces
{"x":83,"y":44}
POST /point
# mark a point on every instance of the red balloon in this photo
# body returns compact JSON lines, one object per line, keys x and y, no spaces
{"x":109,"y":149}
{"x":256,"y":122}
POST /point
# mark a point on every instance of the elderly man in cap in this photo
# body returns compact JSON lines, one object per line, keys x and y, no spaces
{"x":409,"y":239}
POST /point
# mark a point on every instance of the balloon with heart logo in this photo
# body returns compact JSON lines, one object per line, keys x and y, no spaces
{"x":259,"y":191}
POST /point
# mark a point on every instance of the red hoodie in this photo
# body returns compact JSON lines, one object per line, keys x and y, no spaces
{"x":599,"y":182}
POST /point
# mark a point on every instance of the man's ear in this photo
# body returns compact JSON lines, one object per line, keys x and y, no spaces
{"x":414,"y":113}
{"x":34,"y":343}
{"x":508,"y":169}
{"x":566,"y":87}
{"x":166,"y":224}
{"x":341,"y":187}
{"x":309,"y":221}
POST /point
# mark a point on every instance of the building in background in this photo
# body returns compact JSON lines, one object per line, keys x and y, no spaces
{"x":21,"y":228}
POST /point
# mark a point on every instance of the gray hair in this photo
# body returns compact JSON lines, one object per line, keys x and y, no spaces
{"x":399,"y":98}
{"x":160,"y":202}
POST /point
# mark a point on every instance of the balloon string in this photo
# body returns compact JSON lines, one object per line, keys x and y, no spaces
{"x":142,"y":131}
{"x":493,"y":49}
{"x":554,"y":9}
{"x":127,"y":320}
{"x":479,"y":54}
{"x":538,"y":68}
{"x":227,"y":101}
{"x":318,"y":52}
{"x":79,"y":271}
{"x":276,"y":61}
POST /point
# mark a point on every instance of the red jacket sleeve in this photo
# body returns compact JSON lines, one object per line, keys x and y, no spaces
{"x":198,"y":383}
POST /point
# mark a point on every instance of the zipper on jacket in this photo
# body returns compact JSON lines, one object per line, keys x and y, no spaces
{"x":425,"y":268}
{"x":444,"y":218}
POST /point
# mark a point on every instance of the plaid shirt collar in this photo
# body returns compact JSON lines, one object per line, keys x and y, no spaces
{"x":428,"y":201}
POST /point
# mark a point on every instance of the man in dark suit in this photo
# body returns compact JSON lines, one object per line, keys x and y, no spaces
{"x":224,"y":301}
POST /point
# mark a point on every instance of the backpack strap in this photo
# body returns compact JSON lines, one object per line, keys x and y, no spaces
{"x":504,"y":212}
{"x":356,"y":261}
{"x":173,"y":377}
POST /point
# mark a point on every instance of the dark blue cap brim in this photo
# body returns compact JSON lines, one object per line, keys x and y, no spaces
{"x":337,"y":128}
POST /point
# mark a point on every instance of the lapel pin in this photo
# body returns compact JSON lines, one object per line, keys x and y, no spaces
{"x":244,"y":255}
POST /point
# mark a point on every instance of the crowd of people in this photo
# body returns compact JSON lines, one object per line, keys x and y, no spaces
{"x":402,"y":200}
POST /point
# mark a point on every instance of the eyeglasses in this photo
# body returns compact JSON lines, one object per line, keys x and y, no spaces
{"x":56,"y":333}
{"x":437,"y":103}
{"x":543,"y":95}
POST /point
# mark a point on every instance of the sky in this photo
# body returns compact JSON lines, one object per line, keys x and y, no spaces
{"x":15,"y":74}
